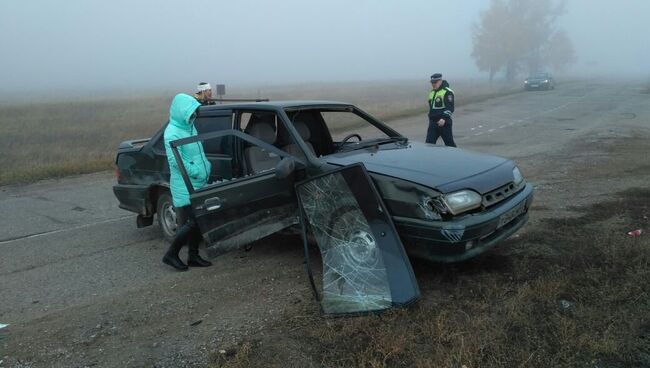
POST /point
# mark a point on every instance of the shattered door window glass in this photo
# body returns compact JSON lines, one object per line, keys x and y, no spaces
{"x":355,"y":273}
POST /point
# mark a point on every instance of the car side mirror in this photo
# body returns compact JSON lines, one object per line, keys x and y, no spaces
{"x":285,"y":167}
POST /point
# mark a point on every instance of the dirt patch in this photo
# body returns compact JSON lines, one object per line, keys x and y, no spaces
{"x":168,"y":323}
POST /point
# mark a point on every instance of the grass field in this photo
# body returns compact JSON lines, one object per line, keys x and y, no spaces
{"x":531,"y":302}
{"x":75,"y":136}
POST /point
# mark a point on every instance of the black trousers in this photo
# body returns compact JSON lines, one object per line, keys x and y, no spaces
{"x":434,"y":131}
{"x":187,"y":231}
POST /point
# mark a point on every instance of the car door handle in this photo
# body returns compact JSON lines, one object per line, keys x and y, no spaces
{"x":212,"y":204}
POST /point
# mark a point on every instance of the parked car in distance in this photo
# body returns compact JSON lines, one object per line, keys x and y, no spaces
{"x":540,"y":80}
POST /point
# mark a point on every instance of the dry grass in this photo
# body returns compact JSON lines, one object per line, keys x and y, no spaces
{"x":571,"y":293}
{"x":42,"y":140}
{"x":56,"y":139}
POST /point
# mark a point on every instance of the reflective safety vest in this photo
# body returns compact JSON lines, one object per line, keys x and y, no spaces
{"x":437,"y":99}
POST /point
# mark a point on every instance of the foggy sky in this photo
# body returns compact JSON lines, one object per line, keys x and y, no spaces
{"x":86,"y":44}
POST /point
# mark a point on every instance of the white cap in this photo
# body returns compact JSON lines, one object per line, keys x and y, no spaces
{"x":203,"y":86}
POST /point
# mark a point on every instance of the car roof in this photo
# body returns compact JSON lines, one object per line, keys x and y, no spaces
{"x":275,"y":105}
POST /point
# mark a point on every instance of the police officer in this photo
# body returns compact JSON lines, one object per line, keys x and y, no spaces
{"x":441,"y":106}
{"x":204,"y":94}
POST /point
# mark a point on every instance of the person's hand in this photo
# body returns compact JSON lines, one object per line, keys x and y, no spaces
{"x":441,"y":123}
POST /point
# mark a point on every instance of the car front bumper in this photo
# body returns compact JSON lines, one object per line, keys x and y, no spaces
{"x":537,"y":85}
{"x":466,"y":236}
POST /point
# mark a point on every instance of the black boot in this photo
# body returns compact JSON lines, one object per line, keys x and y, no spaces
{"x":194,"y":259}
{"x":171,"y":256}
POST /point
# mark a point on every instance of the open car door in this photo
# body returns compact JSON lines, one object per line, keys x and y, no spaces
{"x":234,"y":212}
{"x":364,"y":265}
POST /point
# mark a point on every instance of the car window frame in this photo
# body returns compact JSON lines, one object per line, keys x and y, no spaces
{"x":248,"y":138}
{"x":281,"y":118}
{"x":384,"y":231}
{"x":385,"y":128}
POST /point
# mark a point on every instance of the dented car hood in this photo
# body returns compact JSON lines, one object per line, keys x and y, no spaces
{"x":442,"y":168}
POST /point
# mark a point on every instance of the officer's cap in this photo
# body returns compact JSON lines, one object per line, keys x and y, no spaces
{"x":436,"y":77}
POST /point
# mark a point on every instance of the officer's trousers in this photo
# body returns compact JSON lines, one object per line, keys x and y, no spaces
{"x":434,"y":132}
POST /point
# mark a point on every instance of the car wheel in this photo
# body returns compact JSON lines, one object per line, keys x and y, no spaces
{"x":166,"y":214}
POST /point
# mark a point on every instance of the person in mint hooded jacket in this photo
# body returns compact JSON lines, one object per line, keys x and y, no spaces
{"x":182,"y":114}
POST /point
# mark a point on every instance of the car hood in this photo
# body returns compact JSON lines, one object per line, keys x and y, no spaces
{"x":536,"y":80}
{"x":442,"y":168}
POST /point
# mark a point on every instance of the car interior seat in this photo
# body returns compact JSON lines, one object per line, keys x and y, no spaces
{"x":305,"y":134}
{"x":258,"y":159}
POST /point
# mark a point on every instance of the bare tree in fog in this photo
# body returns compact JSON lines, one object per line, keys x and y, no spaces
{"x":516,"y":35}
{"x":559,"y":52}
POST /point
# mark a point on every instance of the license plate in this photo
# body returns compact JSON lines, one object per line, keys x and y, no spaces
{"x":511,"y":214}
{"x":534,"y":85}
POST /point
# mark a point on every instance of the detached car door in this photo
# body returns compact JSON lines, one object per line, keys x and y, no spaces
{"x":364,"y":265}
{"x":233,"y":212}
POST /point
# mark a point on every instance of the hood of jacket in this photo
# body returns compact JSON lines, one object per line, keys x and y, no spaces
{"x":181,"y":109}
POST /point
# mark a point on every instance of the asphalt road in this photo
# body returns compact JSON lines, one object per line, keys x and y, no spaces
{"x":66,"y":245}
{"x":535,"y":122}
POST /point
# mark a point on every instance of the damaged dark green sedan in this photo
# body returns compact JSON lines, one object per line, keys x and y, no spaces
{"x":364,"y":193}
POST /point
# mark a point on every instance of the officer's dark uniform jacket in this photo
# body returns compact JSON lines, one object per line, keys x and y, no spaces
{"x":441,"y":103}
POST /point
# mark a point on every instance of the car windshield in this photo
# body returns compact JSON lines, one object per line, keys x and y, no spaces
{"x":331,"y":130}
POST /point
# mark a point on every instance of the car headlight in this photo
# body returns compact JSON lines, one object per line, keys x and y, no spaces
{"x":546,"y":81}
{"x":517,"y":177}
{"x":462,"y":201}
{"x":525,"y":82}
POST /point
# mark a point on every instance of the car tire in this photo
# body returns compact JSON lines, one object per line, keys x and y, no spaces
{"x":166,"y":215}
